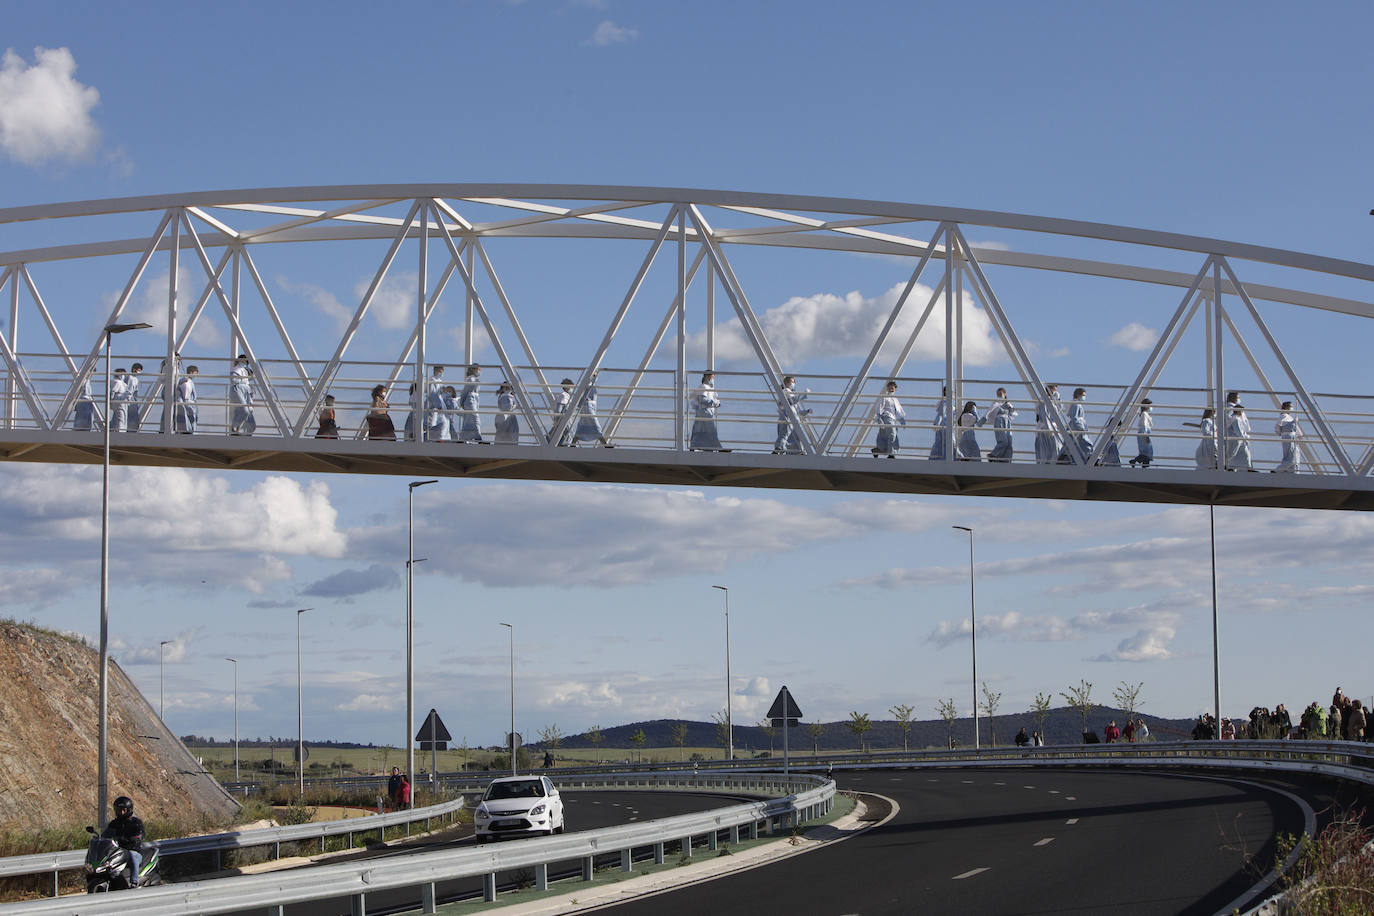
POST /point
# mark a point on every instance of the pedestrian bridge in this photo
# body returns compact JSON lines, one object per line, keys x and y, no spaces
{"x":446,"y":272}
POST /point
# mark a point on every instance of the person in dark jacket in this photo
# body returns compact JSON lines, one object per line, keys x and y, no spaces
{"x":393,"y":787}
{"x":127,"y":831}
{"x":1022,"y":739}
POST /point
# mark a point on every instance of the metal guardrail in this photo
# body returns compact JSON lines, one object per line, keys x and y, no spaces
{"x":57,"y":862}
{"x":808,"y":797}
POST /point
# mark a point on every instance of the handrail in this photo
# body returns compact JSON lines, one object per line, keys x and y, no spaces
{"x":810,"y":796}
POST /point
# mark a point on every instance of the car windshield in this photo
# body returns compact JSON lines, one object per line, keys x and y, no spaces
{"x":526,"y":788}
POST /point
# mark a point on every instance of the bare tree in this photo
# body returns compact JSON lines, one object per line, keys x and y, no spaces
{"x":860,"y":725}
{"x":680,"y":739}
{"x":722,"y":722}
{"x":902,"y":713}
{"x":551,"y":737}
{"x":949,"y":711}
{"x":1080,"y":699}
{"x":1127,"y":697}
{"x":815,"y":730}
{"x":638,"y":739}
{"x":1040,"y":709}
{"x":990,"y":701}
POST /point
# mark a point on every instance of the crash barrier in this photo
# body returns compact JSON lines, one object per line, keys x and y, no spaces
{"x":58,"y":862}
{"x":419,"y":875}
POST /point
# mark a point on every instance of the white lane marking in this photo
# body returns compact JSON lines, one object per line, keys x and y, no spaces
{"x":894,"y":779}
{"x":1028,"y":787}
{"x":1054,"y":791}
{"x":999,"y":784}
{"x":969,"y":874}
{"x":967,"y":782}
{"x":1071,"y":797}
{"x":1072,"y":820}
{"x":1045,"y":842}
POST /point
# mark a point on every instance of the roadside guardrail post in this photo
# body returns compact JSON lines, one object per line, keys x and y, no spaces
{"x":753,"y":830}
{"x":626,"y":860}
{"x":55,"y":889}
{"x":359,"y":904}
{"x":686,"y":845}
{"x":734,"y":835}
{"x":427,"y":901}
{"x":588,"y":867}
{"x":658,"y":853}
{"x":489,"y":887}
{"x":541,"y":876}
{"x":713,"y":840}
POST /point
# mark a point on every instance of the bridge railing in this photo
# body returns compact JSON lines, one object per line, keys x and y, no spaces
{"x":644,"y":410}
{"x":421,"y":875}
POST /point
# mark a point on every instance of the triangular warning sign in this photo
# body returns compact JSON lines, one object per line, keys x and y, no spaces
{"x":433,"y":729}
{"x":784,"y":707}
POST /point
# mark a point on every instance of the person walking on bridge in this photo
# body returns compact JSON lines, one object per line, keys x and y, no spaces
{"x":436,"y":420}
{"x":890,"y":415}
{"x":1000,"y":414}
{"x":939,"y":449}
{"x":1144,"y":447}
{"x":1047,"y":441}
{"x":132,"y":382}
{"x":705,"y":402}
{"x":119,"y":402}
{"x":588,"y":425}
{"x":507,"y":424}
{"x":1206,"y":454}
{"x":1238,"y":440}
{"x":1289,"y":432}
{"x":968,"y":439}
{"x":184,"y":414}
{"x":469,"y":402}
{"x":560,"y":407}
{"x":1077,"y":437}
{"x":241,"y":422}
{"x":790,"y":413}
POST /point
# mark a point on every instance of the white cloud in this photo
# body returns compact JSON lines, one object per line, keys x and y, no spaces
{"x":45,"y":113}
{"x":149,"y":303}
{"x":393,"y":305}
{"x":608,"y":33}
{"x":155,"y":653}
{"x":1059,"y":352}
{"x":325,"y":302}
{"x":1152,"y":645}
{"x":369,"y":702}
{"x":1134,"y":336}
{"x":825,"y":325}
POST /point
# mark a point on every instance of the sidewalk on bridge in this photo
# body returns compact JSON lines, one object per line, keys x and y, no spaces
{"x":670,"y":878}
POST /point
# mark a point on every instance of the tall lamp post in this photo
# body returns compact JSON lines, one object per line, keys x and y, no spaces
{"x":103,"y":742}
{"x":300,"y":720}
{"x":410,"y":637}
{"x":510,"y":740}
{"x":729,"y":718}
{"x":236,"y":716}
{"x":973,"y":630}
{"x":1216,"y":652}
{"x":162,"y":664}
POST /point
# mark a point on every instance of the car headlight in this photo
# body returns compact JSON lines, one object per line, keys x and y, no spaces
{"x":537,"y":810}
{"x":482,"y":813}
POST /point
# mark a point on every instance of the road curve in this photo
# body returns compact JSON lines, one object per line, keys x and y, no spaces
{"x":1016,"y":841}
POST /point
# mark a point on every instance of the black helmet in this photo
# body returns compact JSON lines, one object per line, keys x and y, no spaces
{"x":123,"y":805}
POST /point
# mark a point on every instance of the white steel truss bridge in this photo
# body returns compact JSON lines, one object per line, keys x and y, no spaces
{"x":443,"y":281}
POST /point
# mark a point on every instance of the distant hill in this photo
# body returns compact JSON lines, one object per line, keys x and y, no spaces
{"x":1063,"y":726}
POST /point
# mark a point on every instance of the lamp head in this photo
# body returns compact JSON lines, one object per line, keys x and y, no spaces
{"x":421,"y":483}
{"x":121,"y":328}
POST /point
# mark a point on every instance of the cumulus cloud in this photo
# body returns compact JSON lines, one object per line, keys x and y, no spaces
{"x":393,"y":305}
{"x":1152,"y":645}
{"x":607,"y":33}
{"x":324,"y":302}
{"x":149,"y":303}
{"x":1155,"y":626}
{"x":45,"y":112}
{"x":1134,"y":336}
{"x":353,"y":582}
{"x":155,"y":653}
{"x":825,"y":325}
{"x":368,"y":702}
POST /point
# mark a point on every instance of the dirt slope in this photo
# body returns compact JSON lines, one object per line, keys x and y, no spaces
{"x":49,"y":697}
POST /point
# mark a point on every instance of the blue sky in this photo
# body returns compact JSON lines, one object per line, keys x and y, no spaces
{"x":1248,"y":124}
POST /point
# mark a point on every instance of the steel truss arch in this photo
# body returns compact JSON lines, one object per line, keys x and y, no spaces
{"x":208,"y":239}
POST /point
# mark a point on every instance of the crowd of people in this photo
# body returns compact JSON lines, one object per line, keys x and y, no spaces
{"x":1345,"y":719}
{"x":453,"y":413}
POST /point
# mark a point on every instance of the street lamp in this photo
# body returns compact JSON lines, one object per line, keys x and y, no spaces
{"x":103,"y":742}
{"x":510,"y":740}
{"x":973,"y":630}
{"x":236,"y":716}
{"x":1216,"y":654}
{"x":410,"y":639}
{"x":300,"y":731}
{"x":729,"y":719}
{"x":161,"y":664}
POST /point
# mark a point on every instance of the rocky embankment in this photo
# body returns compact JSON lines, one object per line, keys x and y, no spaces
{"x":49,"y":696}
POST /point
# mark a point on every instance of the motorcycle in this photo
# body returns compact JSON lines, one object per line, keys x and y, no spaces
{"x":109,"y":867}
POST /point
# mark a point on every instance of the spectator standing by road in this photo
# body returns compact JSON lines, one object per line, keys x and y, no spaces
{"x":404,"y":801}
{"x":393,"y":787}
{"x":890,"y":415}
{"x":1355,"y":730}
{"x":1142,"y":731}
{"x":1128,"y":731}
{"x":1022,"y":739}
{"x":1111,"y":733}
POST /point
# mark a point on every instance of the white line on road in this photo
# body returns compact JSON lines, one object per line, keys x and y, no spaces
{"x":1054,"y":791}
{"x":969,"y":874}
{"x":1028,"y":787}
{"x":999,"y":784}
{"x":1072,"y":820}
{"x":1071,"y":797}
{"x":1045,"y":842}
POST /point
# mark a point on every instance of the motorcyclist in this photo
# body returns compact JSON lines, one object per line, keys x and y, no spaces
{"x":127,"y":831}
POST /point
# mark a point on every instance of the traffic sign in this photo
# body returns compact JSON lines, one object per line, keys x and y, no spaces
{"x":784,"y":707}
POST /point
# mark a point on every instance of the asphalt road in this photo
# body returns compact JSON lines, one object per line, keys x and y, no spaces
{"x":980,"y":841}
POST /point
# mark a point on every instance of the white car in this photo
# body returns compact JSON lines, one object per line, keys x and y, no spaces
{"x":520,"y":805}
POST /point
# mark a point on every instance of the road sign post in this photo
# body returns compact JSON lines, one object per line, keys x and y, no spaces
{"x":785,"y":712}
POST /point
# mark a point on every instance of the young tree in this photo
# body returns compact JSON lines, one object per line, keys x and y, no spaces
{"x":638,"y":739}
{"x":551,"y":736}
{"x":680,"y":739}
{"x":1127,"y":697}
{"x":769,"y":729}
{"x":990,"y":701}
{"x":1040,"y":709}
{"x":595,"y":736}
{"x":1080,"y":699}
{"x":902,"y":714}
{"x":722,"y":723}
{"x":860,"y":725}
{"x":949,"y":711}
{"x":815,"y":730}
